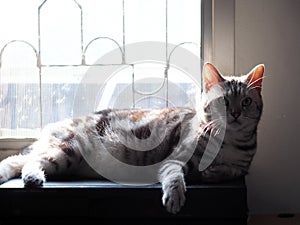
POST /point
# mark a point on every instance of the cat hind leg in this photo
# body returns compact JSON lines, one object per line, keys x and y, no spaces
{"x":52,"y":162}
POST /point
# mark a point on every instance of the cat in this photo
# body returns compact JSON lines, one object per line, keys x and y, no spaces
{"x":178,"y":138}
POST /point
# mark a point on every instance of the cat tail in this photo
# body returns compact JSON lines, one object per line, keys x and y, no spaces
{"x":12,"y":166}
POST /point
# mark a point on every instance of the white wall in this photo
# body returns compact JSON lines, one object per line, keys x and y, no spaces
{"x":268,"y":31}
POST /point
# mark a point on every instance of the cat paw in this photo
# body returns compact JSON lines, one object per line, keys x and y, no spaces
{"x":34,"y":179}
{"x":174,"y":196}
{"x":4,"y":175}
{"x":3,"y":179}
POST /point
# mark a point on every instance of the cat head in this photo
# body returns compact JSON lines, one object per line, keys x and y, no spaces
{"x":235,"y":100}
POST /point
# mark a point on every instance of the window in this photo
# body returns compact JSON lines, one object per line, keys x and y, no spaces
{"x":49,"y":48}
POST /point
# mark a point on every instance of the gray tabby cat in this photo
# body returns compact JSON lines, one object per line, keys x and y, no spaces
{"x":63,"y":146}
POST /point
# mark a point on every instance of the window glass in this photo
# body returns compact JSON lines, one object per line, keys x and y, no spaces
{"x":48,"y":47}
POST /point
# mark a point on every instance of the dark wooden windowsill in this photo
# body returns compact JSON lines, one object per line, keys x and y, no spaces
{"x":224,"y":203}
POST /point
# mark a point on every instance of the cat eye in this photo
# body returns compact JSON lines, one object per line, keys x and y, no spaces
{"x":247,"y":101}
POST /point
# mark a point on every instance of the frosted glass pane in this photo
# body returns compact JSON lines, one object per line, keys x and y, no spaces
{"x":19,"y":92}
{"x":19,"y":21}
{"x":60,"y":32}
{"x":184,"y":24}
{"x":145,"y":21}
{"x":59,"y":87}
{"x":102,"y":18}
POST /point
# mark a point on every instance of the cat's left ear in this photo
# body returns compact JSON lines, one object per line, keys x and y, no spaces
{"x":255,"y":77}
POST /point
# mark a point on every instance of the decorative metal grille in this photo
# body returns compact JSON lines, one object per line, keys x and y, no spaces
{"x":42,"y":65}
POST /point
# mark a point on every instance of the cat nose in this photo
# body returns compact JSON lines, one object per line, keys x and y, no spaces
{"x":235,"y":115}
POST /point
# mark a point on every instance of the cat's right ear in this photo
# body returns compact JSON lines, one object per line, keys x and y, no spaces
{"x":211,"y":76}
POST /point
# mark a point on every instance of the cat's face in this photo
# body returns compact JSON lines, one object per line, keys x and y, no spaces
{"x":234,"y":101}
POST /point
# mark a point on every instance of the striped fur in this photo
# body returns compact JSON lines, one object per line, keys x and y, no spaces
{"x":64,"y":146}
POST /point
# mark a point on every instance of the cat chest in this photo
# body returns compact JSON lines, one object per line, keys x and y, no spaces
{"x":233,"y":155}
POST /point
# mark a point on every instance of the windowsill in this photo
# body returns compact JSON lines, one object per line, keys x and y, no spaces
{"x":17,"y":183}
{"x":15,"y":143}
{"x":12,"y":146}
{"x":224,"y":203}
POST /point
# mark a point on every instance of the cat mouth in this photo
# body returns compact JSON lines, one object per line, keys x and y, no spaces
{"x":235,"y":122}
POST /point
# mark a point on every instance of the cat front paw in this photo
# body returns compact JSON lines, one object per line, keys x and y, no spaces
{"x":33,"y":179}
{"x":174,"y":196}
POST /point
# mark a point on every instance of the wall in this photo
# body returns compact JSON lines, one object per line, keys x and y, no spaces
{"x":268,"y":31}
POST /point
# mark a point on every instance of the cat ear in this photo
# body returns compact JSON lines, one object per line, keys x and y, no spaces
{"x":255,"y":77}
{"x":211,"y":76}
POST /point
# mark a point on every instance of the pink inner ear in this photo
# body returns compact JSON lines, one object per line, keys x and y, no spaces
{"x":255,"y":77}
{"x":211,"y":75}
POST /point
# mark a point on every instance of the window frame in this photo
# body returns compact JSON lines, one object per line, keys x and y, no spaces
{"x":13,"y":145}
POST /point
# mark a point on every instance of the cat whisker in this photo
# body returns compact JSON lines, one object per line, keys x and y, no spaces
{"x":208,"y":127}
{"x":218,"y":131}
{"x":215,"y":126}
